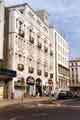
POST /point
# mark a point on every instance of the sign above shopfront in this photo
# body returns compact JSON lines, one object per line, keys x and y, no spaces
{"x":7,"y":73}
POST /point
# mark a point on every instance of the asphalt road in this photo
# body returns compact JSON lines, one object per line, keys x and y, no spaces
{"x":40,"y":112}
{"x":74,"y":103}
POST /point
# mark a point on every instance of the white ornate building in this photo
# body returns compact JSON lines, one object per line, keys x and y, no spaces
{"x":29,"y":47}
{"x":36,"y":51}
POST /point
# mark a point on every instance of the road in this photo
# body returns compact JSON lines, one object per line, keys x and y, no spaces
{"x":41,"y":112}
{"x":75,"y":103}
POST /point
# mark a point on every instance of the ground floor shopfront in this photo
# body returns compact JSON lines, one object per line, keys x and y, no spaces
{"x":6,"y":83}
{"x":33,"y":87}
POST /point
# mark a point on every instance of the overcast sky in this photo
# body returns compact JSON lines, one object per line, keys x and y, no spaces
{"x":64,"y":15}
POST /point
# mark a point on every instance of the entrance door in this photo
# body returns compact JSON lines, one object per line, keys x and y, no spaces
{"x":38,"y":87}
{"x":1,"y":89}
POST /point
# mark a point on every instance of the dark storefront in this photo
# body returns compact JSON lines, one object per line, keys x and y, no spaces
{"x":6,"y":76}
{"x":39,"y":87}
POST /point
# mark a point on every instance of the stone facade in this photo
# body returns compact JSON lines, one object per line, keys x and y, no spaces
{"x":36,"y":51}
{"x":75,"y":72}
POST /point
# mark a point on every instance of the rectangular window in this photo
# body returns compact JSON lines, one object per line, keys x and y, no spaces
{"x":46,"y":74}
{"x":45,"y":49}
{"x":38,"y":22}
{"x":30,"y":14}
{"x":51,"y":75}
{"x":31,"y":39}
{"x":39,"y":45}
{"x":30,"y":69}
{"x":39,"y":72}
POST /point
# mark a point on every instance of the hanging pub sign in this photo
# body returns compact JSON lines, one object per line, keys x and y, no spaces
{"x":30,"y":80}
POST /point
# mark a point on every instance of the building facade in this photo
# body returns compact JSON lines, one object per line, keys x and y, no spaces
{"x":28,"y":50}
{"x":75,"y":72}
{"x":61,"y":59}
{"x":6,"y":74}
{"x":38,"y":53}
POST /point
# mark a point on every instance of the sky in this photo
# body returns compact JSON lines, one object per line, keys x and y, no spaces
{"x":64,"y":15}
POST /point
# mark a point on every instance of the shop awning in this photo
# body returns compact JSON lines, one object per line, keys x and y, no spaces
{"x":7,"y":73}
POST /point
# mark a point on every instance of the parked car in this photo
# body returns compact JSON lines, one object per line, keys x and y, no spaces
{"x":63,"y":94}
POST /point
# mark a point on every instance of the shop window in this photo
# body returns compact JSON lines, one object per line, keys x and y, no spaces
{"x":19,"y":84}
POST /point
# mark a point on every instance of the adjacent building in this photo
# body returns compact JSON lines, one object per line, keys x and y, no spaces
{"x":61,"y":59}
{"x":75,"y":72}
{"x":75,"y":76}
{"x":6,"y":74}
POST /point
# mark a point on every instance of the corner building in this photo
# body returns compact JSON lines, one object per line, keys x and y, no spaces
{"x":38,"y":53}
{"x":29,"y":50}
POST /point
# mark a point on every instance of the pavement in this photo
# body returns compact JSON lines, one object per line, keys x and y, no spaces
{"x":36,"y":100}
{"x":27,"y":100}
